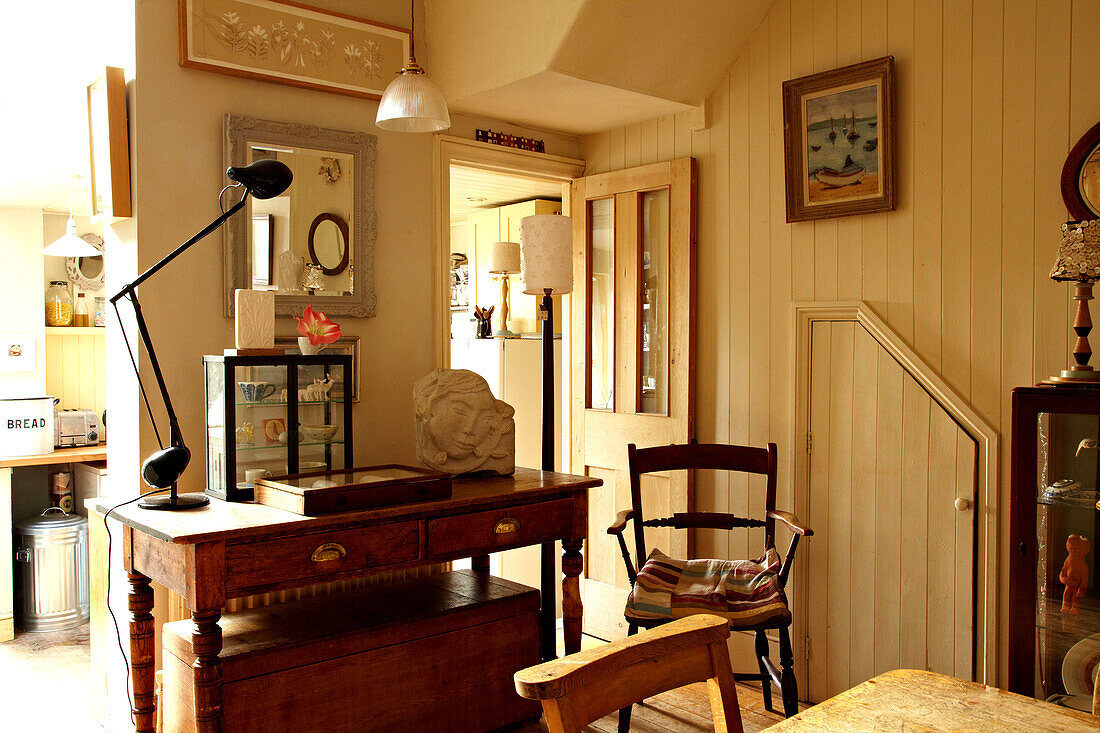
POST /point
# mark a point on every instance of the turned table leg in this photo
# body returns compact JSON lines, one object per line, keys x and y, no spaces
{"x":479,"y":563}
{"x":572,"y":564}
{"x":142,"y":652}
{"x":206,"y":641}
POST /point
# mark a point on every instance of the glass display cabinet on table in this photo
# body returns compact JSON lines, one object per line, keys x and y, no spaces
{"x":1054,"y":619}
{"x":273,"y":416}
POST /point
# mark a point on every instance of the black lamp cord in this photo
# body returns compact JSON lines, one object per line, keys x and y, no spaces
{"x":114,"y":619}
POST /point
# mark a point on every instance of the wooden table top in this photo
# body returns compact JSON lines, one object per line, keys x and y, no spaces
{"x":83,"y":454}
{"x":925,"y":702}
{"x":222,"y":520}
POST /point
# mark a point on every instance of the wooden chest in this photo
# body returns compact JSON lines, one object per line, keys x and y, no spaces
{"x":432,"y":654}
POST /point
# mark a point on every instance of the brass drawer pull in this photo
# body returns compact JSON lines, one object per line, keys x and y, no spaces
{"x":328,"y":551}
{"x":506,"y":526}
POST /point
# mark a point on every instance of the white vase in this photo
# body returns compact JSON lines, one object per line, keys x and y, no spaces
{"x":307,"y":348}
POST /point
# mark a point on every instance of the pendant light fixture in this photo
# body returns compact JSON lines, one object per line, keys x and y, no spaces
{"x":411,"y":103}
{"x":70,"y":245}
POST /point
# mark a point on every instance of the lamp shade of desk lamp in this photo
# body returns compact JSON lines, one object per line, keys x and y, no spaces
{"x":1079,"y":262}
{"x":546,"y":266}
{"x":263,"y":179}
{"x":504,"y":261}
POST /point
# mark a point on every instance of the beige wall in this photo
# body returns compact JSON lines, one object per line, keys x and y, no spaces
{"x":178,"y":173}
{"x":991,"y":96}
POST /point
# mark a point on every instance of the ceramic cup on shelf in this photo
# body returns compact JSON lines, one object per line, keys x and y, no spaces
{"x":251,"y":474}
{"x":255,"y":391}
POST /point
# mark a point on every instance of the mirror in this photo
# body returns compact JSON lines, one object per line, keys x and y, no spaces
{"x":1081,"y":177}
{"x":328,"y":243}
{"x":86,"y":273}
{"x":325,"y":218}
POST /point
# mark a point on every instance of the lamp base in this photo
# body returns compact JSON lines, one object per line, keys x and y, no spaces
{"x":174,"y":502}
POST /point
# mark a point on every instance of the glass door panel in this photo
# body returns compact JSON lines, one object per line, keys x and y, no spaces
{"x":601,"y":299}
{"x":654,"y":302}
{"x":1067,"y":598}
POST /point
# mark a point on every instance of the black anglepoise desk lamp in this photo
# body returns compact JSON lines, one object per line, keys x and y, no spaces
{"x":263,"y":179}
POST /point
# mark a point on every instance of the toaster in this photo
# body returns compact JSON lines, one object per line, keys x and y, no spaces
{"x":75,"y":427}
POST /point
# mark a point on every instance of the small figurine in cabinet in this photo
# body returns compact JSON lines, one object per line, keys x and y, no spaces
{"x":1075,"y":573}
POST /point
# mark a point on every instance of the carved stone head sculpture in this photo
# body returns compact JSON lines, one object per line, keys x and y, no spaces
{"x":461,"y":427}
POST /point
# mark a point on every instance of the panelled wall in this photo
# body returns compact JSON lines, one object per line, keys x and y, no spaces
{"x":991,"y":95}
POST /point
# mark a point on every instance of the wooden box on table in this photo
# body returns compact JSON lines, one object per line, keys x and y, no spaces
{"x":432,"y":654}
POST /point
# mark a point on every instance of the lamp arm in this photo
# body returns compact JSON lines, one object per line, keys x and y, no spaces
{"x":181,"y":249}
{"x":176,"y":435}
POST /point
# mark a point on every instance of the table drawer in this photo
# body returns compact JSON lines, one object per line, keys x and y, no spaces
{"x":308,"y":556}
{"x":500,"y":529}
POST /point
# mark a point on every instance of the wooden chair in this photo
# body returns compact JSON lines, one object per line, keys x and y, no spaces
{"x":583,"y":687}
{"x":759,"y":605}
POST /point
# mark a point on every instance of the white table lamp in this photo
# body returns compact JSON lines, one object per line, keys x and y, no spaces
{"x":503,"y":261}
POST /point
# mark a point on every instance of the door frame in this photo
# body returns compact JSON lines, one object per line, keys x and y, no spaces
{"x":986,"y":622}
{"x":449,"y":149}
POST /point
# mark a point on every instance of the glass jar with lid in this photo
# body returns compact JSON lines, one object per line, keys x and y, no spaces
{"x":59,"y":304}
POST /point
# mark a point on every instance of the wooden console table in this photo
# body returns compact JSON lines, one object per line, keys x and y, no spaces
{"x":227,"y":550}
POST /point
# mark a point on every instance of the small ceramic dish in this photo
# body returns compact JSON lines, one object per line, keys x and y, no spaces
{"x":319,"y":433}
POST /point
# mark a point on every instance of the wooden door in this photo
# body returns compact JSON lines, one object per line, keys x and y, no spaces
{"x":632,"y":348}
{"x":891,"y":567}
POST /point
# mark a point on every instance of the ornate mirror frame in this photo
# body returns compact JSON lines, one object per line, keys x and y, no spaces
{"x":238,"y":132}
{"x":76,"y":273}
{"x":1075,"y":199}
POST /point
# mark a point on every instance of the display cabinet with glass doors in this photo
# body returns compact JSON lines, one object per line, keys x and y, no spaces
{"x":274,"y":416}
{"x":1054,"y":618}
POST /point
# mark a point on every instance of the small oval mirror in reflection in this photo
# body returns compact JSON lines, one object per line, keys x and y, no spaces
{"x":328,"y":243}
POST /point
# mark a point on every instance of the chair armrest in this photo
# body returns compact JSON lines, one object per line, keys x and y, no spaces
{"x":620,"y":521}
{"x":793,"y":522}
{"x":557,"y":678}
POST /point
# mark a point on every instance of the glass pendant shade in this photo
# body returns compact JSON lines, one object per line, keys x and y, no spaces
{"x":412,"y":103}
{"x":71,"y":245}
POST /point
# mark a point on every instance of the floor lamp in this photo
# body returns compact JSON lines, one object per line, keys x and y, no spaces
{"x":263,"y":179}
{"x":546,"y":268}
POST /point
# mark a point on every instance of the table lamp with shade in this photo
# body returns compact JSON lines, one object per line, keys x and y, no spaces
{"x":504,"y":261}
{"x":263,"y":179}
{"x":1079,"y":262}
{"x":546,"y":268}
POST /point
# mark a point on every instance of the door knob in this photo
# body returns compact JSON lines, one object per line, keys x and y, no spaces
{"x":962,"y":504}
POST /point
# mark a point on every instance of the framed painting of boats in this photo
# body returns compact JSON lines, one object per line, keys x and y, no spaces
{"x":838,"y":134}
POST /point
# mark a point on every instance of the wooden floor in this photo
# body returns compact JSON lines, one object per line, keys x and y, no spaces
{"x":40,"y":670}
{"x":685,"y":710}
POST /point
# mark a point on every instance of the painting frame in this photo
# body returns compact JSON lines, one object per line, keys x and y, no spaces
{"x":852,"y":187}
{"x":332,"y":41}
{"x":109,"y":144}
{"x":343,"y":345}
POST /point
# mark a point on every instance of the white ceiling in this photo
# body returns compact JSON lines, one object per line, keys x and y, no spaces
{"x":583,"y":66}
{"x":474,"y":188}
{"x":52,"y":50}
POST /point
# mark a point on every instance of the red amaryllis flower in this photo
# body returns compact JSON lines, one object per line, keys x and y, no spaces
{"x":317,"y":327}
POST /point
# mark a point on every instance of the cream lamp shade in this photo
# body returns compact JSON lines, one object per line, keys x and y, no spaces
{"x":504,"y":257}
{"x":546,"y":248}
{"x":1079,"y":256}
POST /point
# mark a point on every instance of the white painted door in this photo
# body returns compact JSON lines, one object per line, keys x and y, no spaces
{"x":631,"y":346}
{"x":890,"y":569}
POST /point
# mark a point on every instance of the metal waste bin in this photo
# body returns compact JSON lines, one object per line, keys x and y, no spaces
{"x":51,"y":552}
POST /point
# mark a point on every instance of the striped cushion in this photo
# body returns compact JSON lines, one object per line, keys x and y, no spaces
{"x":747,"y":592}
